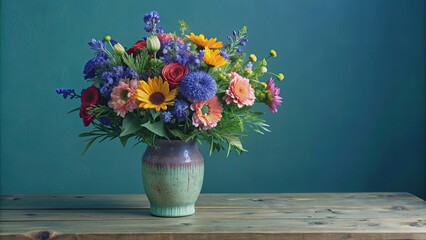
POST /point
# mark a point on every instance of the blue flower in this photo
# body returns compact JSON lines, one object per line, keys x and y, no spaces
{"x":98,"y":62}
{"x":179,"y":108}
{"x":239,"y":50}
{"x":224,"y":55}
{"x":249,"y":65}
{"x":66,"y":92}
{"x":105,"y":121}
{"x":112,"y":78}
{"x":243,"y":42}
{"x":198,"y":86}
{"x":151,"y":19}
{"x":97,"y":45}
{"x":180,"y":53}
{"x":166,"y":116}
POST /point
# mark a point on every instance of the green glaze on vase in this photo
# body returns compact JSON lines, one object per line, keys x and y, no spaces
{"x":172,"y":173}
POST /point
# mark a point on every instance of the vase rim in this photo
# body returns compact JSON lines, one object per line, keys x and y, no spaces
{"x":174,"y":141}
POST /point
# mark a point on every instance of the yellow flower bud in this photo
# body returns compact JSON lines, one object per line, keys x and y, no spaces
{"x":119,"y":49}
{"x":107,"y":38}
{"x":280,"y":76}
{"x":272,"y":53}
{"x":264,"y":69}
{"x":248,"y":71}
{"x":153,"y":43}
{"x":264,"y":85}
{"x":253,"y":58}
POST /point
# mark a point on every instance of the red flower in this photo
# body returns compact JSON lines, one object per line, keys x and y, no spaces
{"x":173,"y":73}
{"x":90,"y":96}
{"x":139,"y":45}
{"x":87,"y":117}
{"x":164,"y":37}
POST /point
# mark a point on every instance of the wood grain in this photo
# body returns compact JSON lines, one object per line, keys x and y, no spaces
{"x":218,"y":216}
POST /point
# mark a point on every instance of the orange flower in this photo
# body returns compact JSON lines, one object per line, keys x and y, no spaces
{"x":200,"y":40}
{"x":206,"y":113}
{"x":213,"y":58}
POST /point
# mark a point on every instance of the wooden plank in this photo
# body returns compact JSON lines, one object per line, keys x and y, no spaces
{"x":211,"y":200}
{"x":212,"y":213}
{"x":219,"y":216}
{"x":223,"y":236}
{"x":185,"y":225}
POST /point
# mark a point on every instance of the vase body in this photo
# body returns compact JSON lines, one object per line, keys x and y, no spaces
{"x":172,"y":174}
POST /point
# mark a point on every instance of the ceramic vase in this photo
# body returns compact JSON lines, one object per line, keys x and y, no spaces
{"x":172,"y":174}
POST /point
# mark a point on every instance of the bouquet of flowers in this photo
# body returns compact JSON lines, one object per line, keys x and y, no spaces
{"x":175,"y":87}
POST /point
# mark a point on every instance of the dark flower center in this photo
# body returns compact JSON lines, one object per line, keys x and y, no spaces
{"x":157,"y":98}
{"x":123,"y":95}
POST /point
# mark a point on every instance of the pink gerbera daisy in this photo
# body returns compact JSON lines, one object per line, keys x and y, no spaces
{"x":239,"y":91}
{"x":206,"y":113}
{"x":122,"y":100}
{"x":276,"y":100}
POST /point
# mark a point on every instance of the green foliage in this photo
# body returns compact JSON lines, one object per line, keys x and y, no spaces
{"x":137,"y":63}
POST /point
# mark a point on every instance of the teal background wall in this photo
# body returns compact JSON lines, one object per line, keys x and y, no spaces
{"x":353,"y":117}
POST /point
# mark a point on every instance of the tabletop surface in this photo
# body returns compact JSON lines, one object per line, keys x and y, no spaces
{"x":218,"y":216}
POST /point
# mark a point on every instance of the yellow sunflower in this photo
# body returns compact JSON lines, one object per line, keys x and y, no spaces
{"x":200,"y":40}
{"x":213,"y":58}
{"x":155,"y":94}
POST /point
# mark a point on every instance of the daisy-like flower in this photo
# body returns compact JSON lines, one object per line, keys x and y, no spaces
{"x":155,"y":94}
{"x":206,"y":113}
{"x":214,"y":58}
{"x":275,"y":100}
{"x":202,"y":41}
{"x":239,"y":91}
{"x":122,"y":97}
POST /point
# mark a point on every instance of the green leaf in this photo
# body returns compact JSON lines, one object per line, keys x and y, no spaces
{"x":154,"y":114}
{"x":131,"y":124}
{"x":90,"y":142}
{"x":157,"y":128}
{"x":74,"y":110}
{"x":124,"y":139}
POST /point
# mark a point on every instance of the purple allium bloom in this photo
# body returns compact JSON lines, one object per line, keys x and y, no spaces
{"x":243,"y":42}
{"x":66,"y":92}
{"x":93,"y":65}
{"x":105,"y":121}
{"x":198,"y":86}
{"x":179,"y":108}
{"x":97,"y":45}
{"x":166,"y":116}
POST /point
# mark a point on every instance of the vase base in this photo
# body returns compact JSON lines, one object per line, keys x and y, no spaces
{"x":175,"y":211}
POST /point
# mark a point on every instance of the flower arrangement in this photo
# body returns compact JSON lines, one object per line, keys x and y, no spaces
{"x":175,"y":87}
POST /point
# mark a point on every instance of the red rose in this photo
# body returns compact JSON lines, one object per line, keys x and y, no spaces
{"x":173,"y":73}
{"x":141,"y":44}
{"x":90,"y":96}
{"x":87,"y":117}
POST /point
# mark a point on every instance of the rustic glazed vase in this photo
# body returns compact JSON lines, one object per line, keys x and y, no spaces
{"x":172,"y":173}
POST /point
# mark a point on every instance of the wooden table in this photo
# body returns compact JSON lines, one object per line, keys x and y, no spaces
{"x":218,"y":216}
